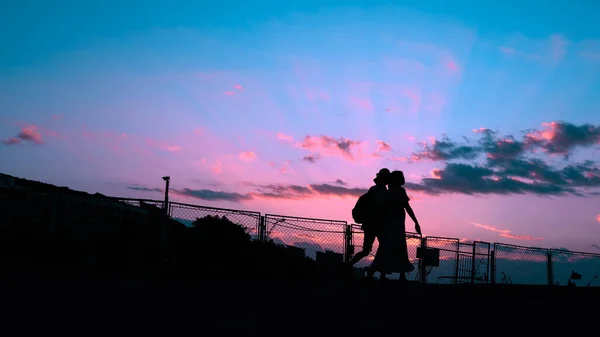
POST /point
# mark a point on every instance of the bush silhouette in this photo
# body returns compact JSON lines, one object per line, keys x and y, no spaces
{"x":216,"y":247}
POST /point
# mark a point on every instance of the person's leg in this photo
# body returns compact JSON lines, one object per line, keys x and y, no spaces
{"x":368,"y":240}
{"x":370,"y":272}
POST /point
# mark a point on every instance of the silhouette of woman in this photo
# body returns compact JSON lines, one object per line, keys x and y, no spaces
{"x":392,"y":255}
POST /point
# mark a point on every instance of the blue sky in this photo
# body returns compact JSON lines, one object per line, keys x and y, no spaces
{"x":245,"y":98}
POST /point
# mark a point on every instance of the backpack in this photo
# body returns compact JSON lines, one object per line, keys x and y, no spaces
{"x":362,"y":210}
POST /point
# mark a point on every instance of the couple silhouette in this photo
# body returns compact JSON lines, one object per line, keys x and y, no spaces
{"x":389,"y":204}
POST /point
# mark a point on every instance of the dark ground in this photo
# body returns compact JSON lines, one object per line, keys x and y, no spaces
{"x":53,"y":307}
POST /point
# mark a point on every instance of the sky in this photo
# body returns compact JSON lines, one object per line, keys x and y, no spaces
{"x":490,"y":110}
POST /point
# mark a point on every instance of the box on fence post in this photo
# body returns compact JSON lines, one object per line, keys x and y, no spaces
{"x":329,"y":264}
{"x":429,"y":256}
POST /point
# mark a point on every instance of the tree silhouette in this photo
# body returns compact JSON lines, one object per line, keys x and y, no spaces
{"x":220,"y":233}
{"x":214,"y":247}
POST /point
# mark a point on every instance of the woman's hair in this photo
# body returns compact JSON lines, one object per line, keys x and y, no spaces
{"x":397,"y":178}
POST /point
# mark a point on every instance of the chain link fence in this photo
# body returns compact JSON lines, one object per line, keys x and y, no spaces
{"x":312,"y":235}
{"x":187,"y":214}
{"x":520,"y":265}
{"x":481,"y":262}
{"x":447,"y":271}
{"x":457,"y":262}
{"x":575,"y":268}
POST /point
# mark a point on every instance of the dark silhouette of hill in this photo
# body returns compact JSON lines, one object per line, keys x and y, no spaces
{"x":10,"y":181}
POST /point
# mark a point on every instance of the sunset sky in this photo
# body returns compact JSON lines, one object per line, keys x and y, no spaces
{"x":290,"y":107}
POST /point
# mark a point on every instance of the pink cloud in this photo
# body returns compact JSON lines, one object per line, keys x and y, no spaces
{"x":238,"y":87}
{"x":247,"y":155}
{"x":436,"y":173}
{"x":31,"y":133}
{"x":383,"y":146}
{"x":400,"y":159}
{"x":480,"y":130}
{"x":12,"y":141}
{"x":331,"y":146}
{"x":217,"y":167}
{"x":556,"y":138}
{"x":229,"y":92}
{"x":284,"y":137}
{"x":598,"y":217}
{"x":505,"y":232}
{"x":159,"y":145}
{"x":28,"y":133}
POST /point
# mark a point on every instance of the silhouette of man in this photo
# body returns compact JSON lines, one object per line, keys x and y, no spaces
{"x":372,"y":226}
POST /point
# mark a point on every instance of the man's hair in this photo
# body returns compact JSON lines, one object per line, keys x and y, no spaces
{"x":382,"y":177}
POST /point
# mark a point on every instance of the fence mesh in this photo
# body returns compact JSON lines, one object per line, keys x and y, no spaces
{"x":413,"y":241}
{"x":581,"y":269}
{"x":312,"y":235}
{"x":481,"y":255}
{"x":187,"y":214}
{"x":520,"y":265}
{"x":447,"y":271}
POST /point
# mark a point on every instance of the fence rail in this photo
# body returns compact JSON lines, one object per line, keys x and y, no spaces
{"x":457,"y":261}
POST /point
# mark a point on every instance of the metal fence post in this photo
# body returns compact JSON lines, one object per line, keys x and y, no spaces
{"x":457,"y":259}
{"x":261,"y":229}
{"x":423,"y":265}
{"x":473,"y":265}
{"x":550,"y":271}
{"x":493,"y":267}
{"x":348,"y":246}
